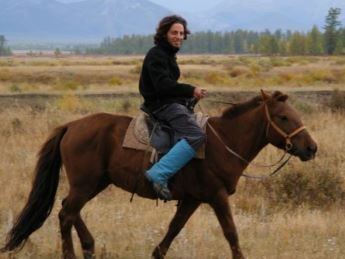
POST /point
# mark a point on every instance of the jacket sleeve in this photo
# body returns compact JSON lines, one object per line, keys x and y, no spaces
{"x":164,"y":85}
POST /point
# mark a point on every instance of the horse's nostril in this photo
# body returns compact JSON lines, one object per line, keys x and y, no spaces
{"x":312,"y":148}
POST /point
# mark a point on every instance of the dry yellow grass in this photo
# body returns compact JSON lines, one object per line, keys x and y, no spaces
{"x":131,"y":230}
{"x":72,"y":73}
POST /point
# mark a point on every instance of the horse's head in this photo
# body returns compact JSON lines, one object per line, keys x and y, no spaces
{"x":285,"y":129}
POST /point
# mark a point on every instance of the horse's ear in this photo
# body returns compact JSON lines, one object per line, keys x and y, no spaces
{"x":264,"y":95}
{"x":279,"y":96}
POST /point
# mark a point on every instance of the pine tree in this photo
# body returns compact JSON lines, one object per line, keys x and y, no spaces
{"x":297,"y":44}
{"x":2,"y":41}
{"x":314,"y":41}
{"x":57,"y":52}
{"x":268,"y":43}
{"x":340,"y":45}
{"x":331,"y":30}
{"x":4,"y":51}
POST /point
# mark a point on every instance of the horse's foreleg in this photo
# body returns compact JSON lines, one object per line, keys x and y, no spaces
{"x":184,"y":210}
{"x":222,"y":209}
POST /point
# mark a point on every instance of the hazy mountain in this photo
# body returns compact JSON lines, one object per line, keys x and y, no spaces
{"x":89,"y":19}
{"x":270,"y":14}
{"x":51,"y":20}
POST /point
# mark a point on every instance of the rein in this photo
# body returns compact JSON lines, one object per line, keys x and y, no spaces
{"x":288,"y":144}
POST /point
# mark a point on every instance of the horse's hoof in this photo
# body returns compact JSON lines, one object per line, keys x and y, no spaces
{"x":157,"y":254}
{"x":89,"y":254}
{"x":69,"y":256}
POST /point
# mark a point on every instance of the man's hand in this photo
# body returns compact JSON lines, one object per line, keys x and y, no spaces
{"x":199,"y":93}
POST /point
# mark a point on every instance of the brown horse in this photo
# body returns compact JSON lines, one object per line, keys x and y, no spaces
{"x":92,"y":153}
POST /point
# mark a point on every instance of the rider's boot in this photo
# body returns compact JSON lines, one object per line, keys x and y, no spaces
{"x":159,"y":174}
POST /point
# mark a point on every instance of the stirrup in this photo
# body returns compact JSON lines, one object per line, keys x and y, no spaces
{"x":162,"y":191}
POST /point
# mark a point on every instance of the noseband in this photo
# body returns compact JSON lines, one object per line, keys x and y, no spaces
{"x":287,"y":137}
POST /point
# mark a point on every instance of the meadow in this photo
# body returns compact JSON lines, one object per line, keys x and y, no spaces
{"x":98,"y":74}
{"x":298,"y":213}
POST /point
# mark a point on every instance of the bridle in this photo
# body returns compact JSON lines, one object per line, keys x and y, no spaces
{"x":270,"y":123}
{"x":287,"y":137}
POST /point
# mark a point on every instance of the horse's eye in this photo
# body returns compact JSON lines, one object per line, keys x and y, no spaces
{"x":283,"y":118}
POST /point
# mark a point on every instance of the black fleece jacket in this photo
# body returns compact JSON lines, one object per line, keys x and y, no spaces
{"x":159,"y":75}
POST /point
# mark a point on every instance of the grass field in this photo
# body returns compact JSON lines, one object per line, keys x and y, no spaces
{"x":93,"y":74}
{"x":296,"y":214}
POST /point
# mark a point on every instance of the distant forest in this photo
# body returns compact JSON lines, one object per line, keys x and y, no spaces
{"x":329,"y":40}
{"x":314,"y":42}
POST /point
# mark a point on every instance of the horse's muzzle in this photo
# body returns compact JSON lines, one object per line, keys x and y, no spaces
{"x":307,"y":153}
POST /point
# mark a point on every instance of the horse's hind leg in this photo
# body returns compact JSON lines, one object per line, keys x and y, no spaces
{"x":86,"y":239}
{"x":71,"y":207}
{"x":184,"y":210}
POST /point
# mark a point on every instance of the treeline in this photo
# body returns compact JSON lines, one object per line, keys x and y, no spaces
{"x":4,"y":51}
{"x":314,"y":42}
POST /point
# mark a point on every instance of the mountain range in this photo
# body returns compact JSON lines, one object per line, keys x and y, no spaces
{"x":86,"y":20}
{"x":271,"y":14}
{"x":92,"y":20}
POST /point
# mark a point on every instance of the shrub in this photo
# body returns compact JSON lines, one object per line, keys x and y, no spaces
{"x":238,"y":71}
{"x":234,"y":62}
{"x":15,"y":88}
{"x":323,"y":76}
{"x":71,"y":85}
{"x":301,"y":60}
{"x":69,"y":103}
{"x":207,"y":61}
{"x":192,"y":74}
{"x":136,"y":69}
{"x":27,"y":87}
{"x":214,"y":78}
{"x":265,"y":65}
{"x":115,"y":81}
{"x":279,"y":62}
{"x":7,"y":62}
{"x":126,"y":105}
{"x":5,"y":75}
{"x":338,"y":62}
{"x":304,"y":107}
{"x":244,"y":60}
{"x":17,"y":125}
{"x":197,"y":61}
{"x":337,"y":100}
{"x":254,"y":68}
{"x":285,"y":77}
{"x":126,"y":61}
{"x":317,"y":188}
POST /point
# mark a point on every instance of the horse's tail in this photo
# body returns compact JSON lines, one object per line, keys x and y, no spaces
{"x":42,"y":196}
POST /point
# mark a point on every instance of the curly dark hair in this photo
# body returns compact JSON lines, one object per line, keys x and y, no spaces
{"x":165,"y":24}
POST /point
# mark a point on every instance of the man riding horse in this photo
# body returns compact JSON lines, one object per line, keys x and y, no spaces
{"x":169,"y":101}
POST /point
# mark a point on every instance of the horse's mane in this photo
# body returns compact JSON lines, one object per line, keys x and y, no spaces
{"x":240,"y":108}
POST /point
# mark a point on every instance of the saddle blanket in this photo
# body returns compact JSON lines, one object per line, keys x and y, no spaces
{"x":137,"y":135}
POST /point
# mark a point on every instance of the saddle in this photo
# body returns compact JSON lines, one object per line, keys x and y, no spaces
{"x":147,"y":133}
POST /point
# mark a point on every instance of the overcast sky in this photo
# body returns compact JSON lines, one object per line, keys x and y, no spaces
{"x":178,"y":5}
{"x":187,"y":5}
